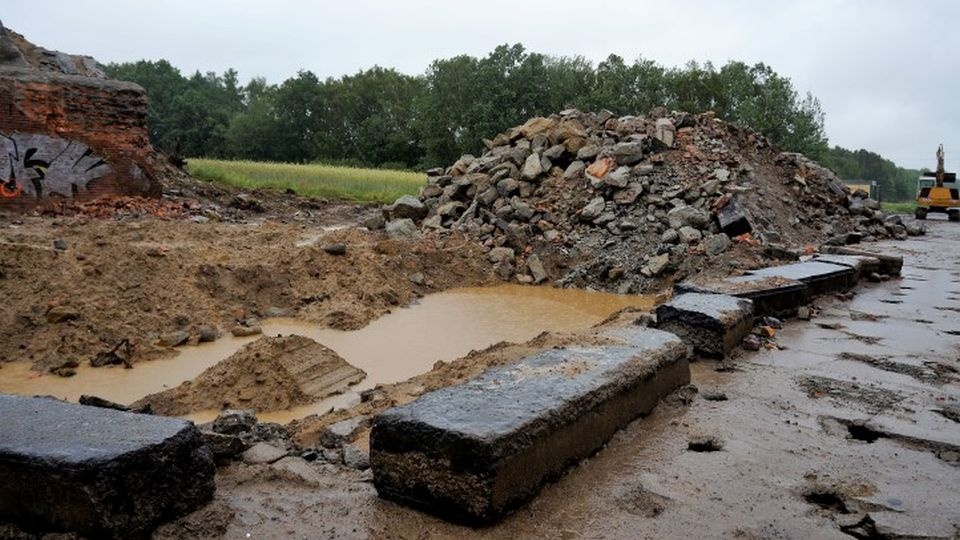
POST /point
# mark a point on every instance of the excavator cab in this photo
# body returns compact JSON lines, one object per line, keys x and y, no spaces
{"x":938,"y":192}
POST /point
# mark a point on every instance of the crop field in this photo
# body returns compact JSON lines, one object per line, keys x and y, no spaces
{"x":899,"y":207}
{"x":314,"y":180}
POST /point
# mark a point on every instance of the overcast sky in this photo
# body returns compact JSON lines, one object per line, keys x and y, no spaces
{"x":887,"y":73}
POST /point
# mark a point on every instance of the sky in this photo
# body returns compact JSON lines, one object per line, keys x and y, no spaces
{"x":887,"y":73}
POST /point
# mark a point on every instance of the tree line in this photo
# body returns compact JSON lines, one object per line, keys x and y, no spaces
{"x":380,"y":117}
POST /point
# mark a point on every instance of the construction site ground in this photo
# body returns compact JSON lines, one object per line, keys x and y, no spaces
{"x":850,"y":429}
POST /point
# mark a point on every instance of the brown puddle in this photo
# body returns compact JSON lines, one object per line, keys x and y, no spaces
{"x":405,"y":343}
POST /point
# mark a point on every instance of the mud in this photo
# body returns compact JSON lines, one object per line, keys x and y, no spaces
{"x":74,"y":287}
{"x":779,"y":471}
{"x":393,"y":348}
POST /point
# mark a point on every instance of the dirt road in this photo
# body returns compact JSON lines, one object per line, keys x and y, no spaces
{"x":848,"y":431}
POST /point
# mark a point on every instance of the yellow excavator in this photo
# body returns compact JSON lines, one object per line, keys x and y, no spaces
{"x":937,"y":192}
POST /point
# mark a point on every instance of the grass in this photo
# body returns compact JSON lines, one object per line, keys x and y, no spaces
{"x":899,"y":207}
{"x":317,"y":180}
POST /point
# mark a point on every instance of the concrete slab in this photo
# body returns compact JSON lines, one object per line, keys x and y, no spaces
{"x":819,"y":277}
{"x":861,"y":264}
{"x":712,"y":324}
{"x":770,"y":295}
{"x":889,"y":264}
{"x":472,"y":452}
{"x":98,"y":472}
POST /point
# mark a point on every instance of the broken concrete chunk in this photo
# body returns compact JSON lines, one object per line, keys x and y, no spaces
{"x":98,"y":472}
{"x":819,"y":277}
{"x":475,"y":451}
{"x":732,"y":219}
{"x":712,"y":324}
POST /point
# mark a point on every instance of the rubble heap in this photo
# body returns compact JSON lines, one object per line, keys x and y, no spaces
{"x":620,"y":203}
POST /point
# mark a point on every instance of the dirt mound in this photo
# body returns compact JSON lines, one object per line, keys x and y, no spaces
{"x":269,"y":374}
{"x":625,"y":204}
{"x":74,"y":287}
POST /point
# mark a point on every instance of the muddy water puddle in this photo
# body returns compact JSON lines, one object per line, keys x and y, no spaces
{"x":393,"y":348}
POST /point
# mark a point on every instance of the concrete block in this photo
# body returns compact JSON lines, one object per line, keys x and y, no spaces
{"x":819,"y":277}
{"x":862,"y":265}
{"x":712,"y":324}
{"x":98,"y":472}
{"x":732,"y":219}
{"x":472,"y":452}
{"x":889,"y":264}
{"x":771,"y":296}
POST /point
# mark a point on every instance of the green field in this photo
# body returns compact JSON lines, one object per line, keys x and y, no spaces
{"x":317,"y":180}
{"x":898,"y":207}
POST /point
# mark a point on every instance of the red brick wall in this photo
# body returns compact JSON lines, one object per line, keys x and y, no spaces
{"x":65,"y":136}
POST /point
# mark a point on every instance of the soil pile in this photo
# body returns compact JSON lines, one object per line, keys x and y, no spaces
{"x":74,"y":287}
{"x":621,"y":203}
{"x":269,"y":374}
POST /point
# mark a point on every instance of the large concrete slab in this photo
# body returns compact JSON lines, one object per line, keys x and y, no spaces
{"x":862,"y":265}
{"x":98,"y":472}
{"x":770,"y":295}
{"x":472,"y":452}
{"x":712,"y":324}
{"x":889,"y":264}
{"x":819,"y":277}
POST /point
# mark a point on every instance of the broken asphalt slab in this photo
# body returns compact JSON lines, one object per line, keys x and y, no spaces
{"x":472,"y":452}
{"x":711,"y":324}
{"x":98,"y":472}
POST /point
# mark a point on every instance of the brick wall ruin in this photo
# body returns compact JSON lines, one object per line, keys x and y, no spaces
{"x":68,"y":132}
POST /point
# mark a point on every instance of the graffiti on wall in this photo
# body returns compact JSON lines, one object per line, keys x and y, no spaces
{"x":39,"y":166}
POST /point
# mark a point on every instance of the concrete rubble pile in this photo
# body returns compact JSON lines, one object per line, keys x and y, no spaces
{"x":617,"y":203}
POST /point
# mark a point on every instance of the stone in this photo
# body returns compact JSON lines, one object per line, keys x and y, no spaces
{"x":669,"y":236}
{"x":711,"y":324}
{"x":500,"y":254}
{"x":234,"y":421}
{"x":242,"y":330}
{"x":343,"y":431}
{"x":532,"y":168}
{"x":262,"y":453}
{"x":600,"y":168}
{"x":575,"y":170}
{"x":207,"y":334}
{"x":687,"y":215}
{"x":751,"y":342}
{"x":618,"y":178}
{"x":665,"y":132}
{"x":589,"y":151}
{"x":401,"y":228}
{"x":417,"y":278}
{"x":554,"y":152}
{"x":335,"y":249}
{"x":629,"y":194}
{"x":657,"y":264}
{"x":174,"y":339}
{"x":224,"y":447}
{"x":593,"y":209}
{"x":689,"y":235}
{"x":298,"y":468}
{"x":627,"y":153}
{"x":716,"y":244}
{"x":98,"y":472}
{"x":374,"y":222}
{"x":536,"y":269}
{"x":507,"y":186}
{"x":60,"y":244}
{"x":355,"y":457}
{"x":408,"y":207}
{"x":732,"y":219}
{"x":473,"y":452}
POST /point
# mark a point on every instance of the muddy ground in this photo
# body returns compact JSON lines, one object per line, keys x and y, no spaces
{"x":74,"y":286}
{"x":845,"y":431}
